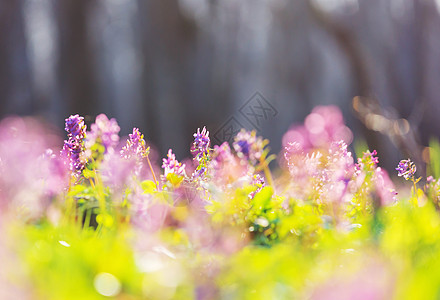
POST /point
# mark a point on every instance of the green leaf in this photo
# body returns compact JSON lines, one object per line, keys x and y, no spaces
{"x":148,"y":186}
{"x":77,"y":189}
{"x":174,"y":179}
{"x":434,"y":157}
{"x":263,"y":197}
{"x":88,"y":173}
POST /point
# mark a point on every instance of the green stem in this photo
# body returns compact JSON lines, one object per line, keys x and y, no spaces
{"x":268,"y":174}
{"x":88,"y":217}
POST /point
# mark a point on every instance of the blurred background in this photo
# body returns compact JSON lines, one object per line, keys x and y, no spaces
{"x":171,"y":66}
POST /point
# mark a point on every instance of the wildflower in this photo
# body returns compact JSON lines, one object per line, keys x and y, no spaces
{"x":222,"y":154}
{"x":293,"y":148}
{"x":200,"y":150}
{"x":385,"y":187}
{"x":105,"y":132}
{"x":75,"y":127}
{"x":116,"y":171}
{"x":29,"y":174}
{"x":172,"y":166}
{"x":324,"y":125}
{"x":225,"y":167}
{"x":341,"y":161}
{"x":406,"y":169}
{"x":73,"y":148}
{"x":135,"y":146}
{"x":198,"y":173}
{"x":249,"y":146}
{"x":201,"y":144}
{"x":368,"y":161}
{"x":259,"y":182}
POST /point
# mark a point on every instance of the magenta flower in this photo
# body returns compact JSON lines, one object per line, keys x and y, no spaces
{"x":105,"y":132}
{"x":225,"y":168}
{"x":30,"y":175}
{"x":385,"y":187}
{"x":172,"y":166}
{"x":222,"y":154}
{"x":116,"y":171}
{"x":324,"y":125}
{"x":369,"y":161}
{"x":135,"y":146}
{"x":146,"y":213}
{"x":406,"y":169}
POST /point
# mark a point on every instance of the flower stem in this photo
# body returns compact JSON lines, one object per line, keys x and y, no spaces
{"x":154,"y":175}
{"x":268,"y":174}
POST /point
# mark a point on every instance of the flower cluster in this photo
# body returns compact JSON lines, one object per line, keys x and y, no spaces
{"x":73,"y":147}
{"x":222,"y":154}
{"x":259,"y":182}
{"x":135,"y":146}
{"x":368,"y":161}
{"x":248,"y":146}
{"x":201,"y":151}
{"x":324,"y":227}
{"x":75,"y":127}
{"x":172,"y":166}
{"x":104,"y":132}
{"x":406,"y":169}
{"x":324,"y":125}
{"x":201,"y":144}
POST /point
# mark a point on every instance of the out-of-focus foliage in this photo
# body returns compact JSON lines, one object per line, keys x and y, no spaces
{"x":96,"y":220}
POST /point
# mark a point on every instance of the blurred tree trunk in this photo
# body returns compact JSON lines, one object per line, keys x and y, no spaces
{"x":168,"y":39}
{"x":15,"y":73}
{"x":75,"y":70}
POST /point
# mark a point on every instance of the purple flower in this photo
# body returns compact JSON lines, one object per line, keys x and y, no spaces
{"x":259,"y":182}
{"x":406,"y":169}
{"x":248,"y":145}
{"x":198,"y":173}
{"x":73,"y":148}
{"x":105,"y":132}
{"x":201,"y":144}
{"x":75,"y":127}
{"x":172,"y":166}
{"x":135,"y":146}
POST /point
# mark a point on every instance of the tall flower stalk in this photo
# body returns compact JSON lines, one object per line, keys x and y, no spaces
{"x":252,"y":148}
{"x":201,"y":152}
{"x":73,"y":148}
{"x":135,"y":148}
{"x":407,"y":169}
